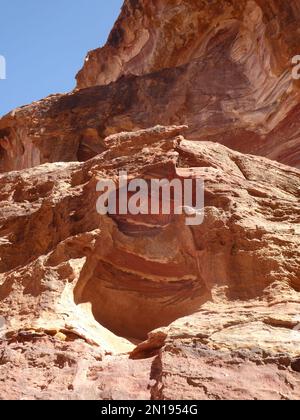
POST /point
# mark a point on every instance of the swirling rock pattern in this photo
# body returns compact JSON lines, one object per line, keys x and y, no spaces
{"x":144,"y":306}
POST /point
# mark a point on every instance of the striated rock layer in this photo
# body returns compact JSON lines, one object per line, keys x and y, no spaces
{"x":152,"y":35}
{"x":204,"y":311}
{"x":146,"y":306}
{"x":222,"y":68}
{"x":240,"y":93}
{"x":73,"y":127}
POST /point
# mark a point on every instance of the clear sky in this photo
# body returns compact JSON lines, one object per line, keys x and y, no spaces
{"x":44,"y":43}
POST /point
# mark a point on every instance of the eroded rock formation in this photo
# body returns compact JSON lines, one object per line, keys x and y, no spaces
{"x":151,"y":36}
{"x":242,"y":50}
{"x":144,"y":306}
{"x":222,"y":68}
{"x":71,"y":275}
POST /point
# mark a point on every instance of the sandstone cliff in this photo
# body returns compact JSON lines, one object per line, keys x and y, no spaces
{"x":239,"y":90}
{"x":222,"y":68}
{"x":146,"y":307}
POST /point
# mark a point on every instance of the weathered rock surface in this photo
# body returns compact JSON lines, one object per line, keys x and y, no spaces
{"x":238,"y":90}
{"x":144,"y":306}
{"x":222,"y":68}
{"x":219,"y":301}
{"x":153,"y":35}
{"x":36,"y":366}
{"x":216,"y":106}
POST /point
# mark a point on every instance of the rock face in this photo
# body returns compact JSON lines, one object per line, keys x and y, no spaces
{"x":75,"y":281}
{"x":238,"y":53}
{"x":222,"y":68}
{"x":145,"y":306}
{"x":151,"y":36}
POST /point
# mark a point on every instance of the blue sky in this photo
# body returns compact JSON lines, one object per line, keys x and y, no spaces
{"x":44,"y":44}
